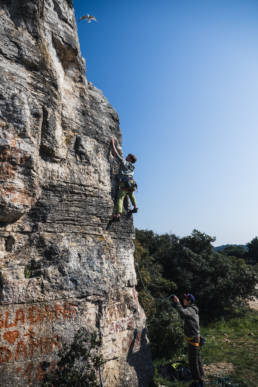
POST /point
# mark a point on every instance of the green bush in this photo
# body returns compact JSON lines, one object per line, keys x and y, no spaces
{"x":190,"y":264}
{"x":164,"y":327}
{"x":165,"y":331}
{"x":166,"y":264}
{"x":78,"y":362}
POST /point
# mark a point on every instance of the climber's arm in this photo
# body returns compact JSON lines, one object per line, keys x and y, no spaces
{"x":114,"y":150}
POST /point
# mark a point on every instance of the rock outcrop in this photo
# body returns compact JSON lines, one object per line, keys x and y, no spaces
{"x":61,"y":268}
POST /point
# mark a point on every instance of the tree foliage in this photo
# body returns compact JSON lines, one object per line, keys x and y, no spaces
{"x":235,"y":251}
{"x":168,"y":264}
{"x":164,"y":327}
{"x":253,"y":250}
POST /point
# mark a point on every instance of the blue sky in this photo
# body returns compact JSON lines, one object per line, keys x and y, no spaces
{"x":183,"y":77}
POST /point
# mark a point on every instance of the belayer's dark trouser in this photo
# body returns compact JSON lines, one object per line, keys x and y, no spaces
{"x":195,"y":362}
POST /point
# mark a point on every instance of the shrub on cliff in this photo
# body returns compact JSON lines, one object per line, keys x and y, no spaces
{"x":78,"y":364}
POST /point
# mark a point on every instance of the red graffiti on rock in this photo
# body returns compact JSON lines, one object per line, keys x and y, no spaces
{"x":5,"y":355}
{"x":11,"y":336}
{"x":35,"y":314}
{"x":26,"y":350}
{"x":18,"y":346}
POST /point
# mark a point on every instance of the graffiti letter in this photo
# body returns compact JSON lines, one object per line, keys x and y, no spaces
{"x":1,"y":323}
{"x":11,"y":336}
{"x":69,"y":310}
{"x":5,"y":355}
{"x":35,"y":344}
{"x":61,"y":310}
{"x":6,"y":323}
{"x":55,"y":342}
{"x":34,"y":315}
{"x":21,"y":348}
{"x":19,"y":316}
{"x":47,"y":313}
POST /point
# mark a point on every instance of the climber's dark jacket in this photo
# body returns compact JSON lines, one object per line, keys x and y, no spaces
{"x":190,"y":314}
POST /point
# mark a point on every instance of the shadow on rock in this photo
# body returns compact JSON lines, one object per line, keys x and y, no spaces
{"x":138,"y":358}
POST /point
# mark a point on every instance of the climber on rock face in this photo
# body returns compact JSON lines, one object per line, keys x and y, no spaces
{"x":127,"y":184}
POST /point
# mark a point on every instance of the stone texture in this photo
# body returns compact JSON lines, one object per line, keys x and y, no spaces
{"x":61,"y":268}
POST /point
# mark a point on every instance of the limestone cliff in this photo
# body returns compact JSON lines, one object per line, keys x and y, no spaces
{"x":61,"y":269}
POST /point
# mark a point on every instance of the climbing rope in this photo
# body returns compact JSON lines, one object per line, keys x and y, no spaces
{"x":100,"y":377}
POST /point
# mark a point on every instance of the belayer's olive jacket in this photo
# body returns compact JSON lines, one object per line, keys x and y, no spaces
{"x":190,"y":314}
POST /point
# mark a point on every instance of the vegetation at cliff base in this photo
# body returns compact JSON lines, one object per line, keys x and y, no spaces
{"x":78,"y":364}
{"x":222,"y":283}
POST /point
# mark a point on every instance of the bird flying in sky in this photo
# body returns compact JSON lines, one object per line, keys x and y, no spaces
{"x":88,"y":17}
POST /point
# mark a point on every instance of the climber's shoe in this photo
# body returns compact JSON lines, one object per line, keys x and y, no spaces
{"x":133,"y":211}
{"x":116,"y":217}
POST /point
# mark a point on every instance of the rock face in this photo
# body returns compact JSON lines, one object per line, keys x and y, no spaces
{"x":61,"y":268}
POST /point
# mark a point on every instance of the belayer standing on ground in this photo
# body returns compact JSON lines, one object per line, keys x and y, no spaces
{"x":127,"y":184}
{"x":190,"y":314}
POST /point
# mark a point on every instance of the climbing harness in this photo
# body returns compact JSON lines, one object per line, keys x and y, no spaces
{"x":190,"y":341}
{"x":127,"y":183}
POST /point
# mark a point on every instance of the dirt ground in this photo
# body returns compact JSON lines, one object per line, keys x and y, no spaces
{"x":254,"y":303}
{"x":218,"y":369}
